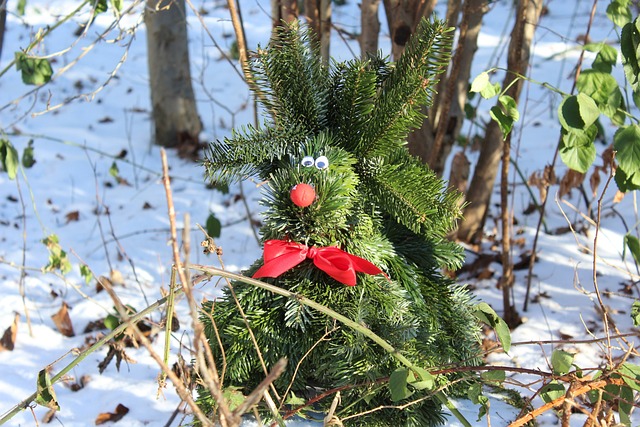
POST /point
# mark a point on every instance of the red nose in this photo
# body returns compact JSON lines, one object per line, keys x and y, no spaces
{"x":302,"y":195}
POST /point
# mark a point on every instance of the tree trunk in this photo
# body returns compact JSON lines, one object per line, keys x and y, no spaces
{"x":284,"y":11}
{"x":370,"y":28}
{"x":325,"y":30}
{"x":479,"y":193}
{"x":402,"y":17}
{"x":312,"y":14}
{"x":3,"y":22}
{"x":174,"y":108}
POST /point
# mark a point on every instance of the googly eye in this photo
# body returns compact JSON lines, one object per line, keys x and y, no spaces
{"x":307,"y":161}
{"x":322,"y":162}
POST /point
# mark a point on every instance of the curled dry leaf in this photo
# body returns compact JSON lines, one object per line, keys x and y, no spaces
{"x":113,"y":417}
{"x":8,"y":340}
{"x":569,"y":181}
{"x":63,"y":322}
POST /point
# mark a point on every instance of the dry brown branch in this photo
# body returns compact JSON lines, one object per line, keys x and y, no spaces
{"x":594,"y":385}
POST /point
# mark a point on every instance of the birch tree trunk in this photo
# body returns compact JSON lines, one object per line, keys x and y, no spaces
{"x":175,"y":115}
{"x":479,"y":194}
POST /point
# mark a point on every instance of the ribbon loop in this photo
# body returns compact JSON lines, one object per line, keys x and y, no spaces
{"x":281,"y":256}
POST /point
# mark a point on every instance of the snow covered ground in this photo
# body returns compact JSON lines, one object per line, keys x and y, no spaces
{"x":91,"y":121}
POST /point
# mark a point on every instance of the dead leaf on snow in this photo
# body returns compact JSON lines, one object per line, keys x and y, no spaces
{"x":113,"y":417}
{"x":8,"y":340}
{"x":63,"y":322}
{"x":72,"y":216}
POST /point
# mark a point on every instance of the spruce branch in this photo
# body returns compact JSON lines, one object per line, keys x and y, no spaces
{"x":408,"y":87}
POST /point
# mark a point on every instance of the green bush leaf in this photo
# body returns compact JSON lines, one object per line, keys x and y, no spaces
{"x":577,"y":112}
{"x":631,"y":375}
{"x":552,"y":391}
{"x":602,"y":88}
{"x":86,"y":273}
{"x":213,"y":225}
{"x":577,"y":148}
{"x":57,"y":257}
{"x":633,"y":244}
{"x":482,"y":85}
{"x":9,"y":158}
{"x":486,"y":314}
{"x":635,"y":313}
{"x":606,"y":58}
{"x":35,"y":71}
{"x":619,"y":12}
{"x":629,"y":41}
{"x":506,"y":114}
{"x":113,"y":170}
{"x":474,"y":393}
{"x":46,"y":395}
{"x":626,"y":142}
{"x":28,"y":159}
{"x":423,"y":379}
{"x":627,"y":183}
{"x":561,"y":361}
{"x":398,"y":384}
{"x":21,"y":7}
{"x":495,"y":377}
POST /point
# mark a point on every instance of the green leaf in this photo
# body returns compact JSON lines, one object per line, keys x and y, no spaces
{"x":474,"y":393}
{"x":629,"y":41}
{"x":577,"y":148}
{"x":486,"y":314}
{"x":423,"y":379}
{"x":495,"y":377}
{"x":631,"y":375}
{"x":233,"y":396}
{"x":46,"y":395}
{"x":398,"y":384}
{"x":482,"y":85}
{"x":633,"y":244}
{"x":21,"y":7}
{"x":561,"y":361}
{"x":577,"y":112}
{"x":619,"y":12}
{"x":552,"y":391}
{"x":505,"y":122}
{"x":28,"y":159}
{"x":626,"y":142}
{"x":602,"y":88}
{"x":100,"y":7}
{"x":504,"y":335}
{"x":35,"y":71}
{"x":635,"y":313}
{"x":625,"y":404}
{"x":606,"y":58}
{"x":86,"y":273}
{"x":9,"y":158}
{"x":113,"y":170}
{"x":117,"y":4}
{"x":627,"y":183}
{"x":57,"y":257}
{"x":294,"y":400}
{"x":111,"y":322}
{"x":213,"y":225}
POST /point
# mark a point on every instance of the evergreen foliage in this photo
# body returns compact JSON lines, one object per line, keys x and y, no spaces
{"x":374,"y":201}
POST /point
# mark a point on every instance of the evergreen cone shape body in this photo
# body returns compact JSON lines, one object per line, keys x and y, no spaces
{"x":342,"y":130}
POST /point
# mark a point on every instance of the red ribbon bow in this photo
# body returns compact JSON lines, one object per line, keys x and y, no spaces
{"x":280,"y":256}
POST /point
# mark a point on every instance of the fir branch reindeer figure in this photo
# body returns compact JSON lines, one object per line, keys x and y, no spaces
{"x":351,"y":221}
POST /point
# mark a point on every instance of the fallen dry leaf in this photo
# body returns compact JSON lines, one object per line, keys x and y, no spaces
{"x":8,"y":340}
{"x":72,"y":216}
{"x":113,"y":417}
{"x":63,"y":322}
